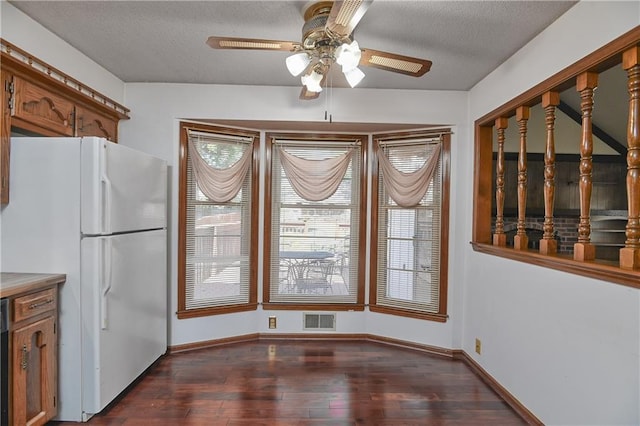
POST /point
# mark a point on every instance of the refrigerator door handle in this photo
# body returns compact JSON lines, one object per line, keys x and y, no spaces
{"x":106,"y":204}
{"x":106,"y":281}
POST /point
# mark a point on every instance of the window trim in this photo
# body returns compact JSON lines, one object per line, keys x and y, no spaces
{"x":252,"y":304}
{"x":268,"y":200}
{"x":600,"y":60}
{"x":441,"y":316}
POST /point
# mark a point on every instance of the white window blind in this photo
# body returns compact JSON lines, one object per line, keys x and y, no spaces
{"x":314,"y":244}
{"x":217,"y":233}
{"x":408,"y":273}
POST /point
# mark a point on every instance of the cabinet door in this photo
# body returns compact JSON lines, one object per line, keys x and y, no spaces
{"x":89,"y":123}
{"x":34,"y":373}
{"x":40,"y":107}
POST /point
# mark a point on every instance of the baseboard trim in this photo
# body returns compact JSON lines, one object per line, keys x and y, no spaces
{"x":211,"y":343}
{"x":432,"y":350}
{"x":311,"y":336}
{"x":516,"y":405}
{"x":453,"y":354}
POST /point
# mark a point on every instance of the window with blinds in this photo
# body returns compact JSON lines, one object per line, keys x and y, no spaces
{"x":407,"y":268}
{"x":315,"y":246}
{"x":215,"y":255}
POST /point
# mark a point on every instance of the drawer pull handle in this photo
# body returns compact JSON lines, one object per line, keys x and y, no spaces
{"x":37,"y":305}
{"x":24,"y":363}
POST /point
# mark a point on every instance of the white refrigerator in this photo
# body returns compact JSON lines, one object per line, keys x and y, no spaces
{"x":96,"y":211}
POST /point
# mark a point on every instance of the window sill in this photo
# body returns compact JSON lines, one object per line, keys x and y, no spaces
{"x":606,"y":271}
{"x":408,"y":313}
{"x":204,"y":312}
{"x":312,"y":307}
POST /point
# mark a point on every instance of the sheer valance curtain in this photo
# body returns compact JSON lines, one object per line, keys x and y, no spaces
{"x":408,"y":189}
{"x":218,"y":184}
{"x":314,"y":180}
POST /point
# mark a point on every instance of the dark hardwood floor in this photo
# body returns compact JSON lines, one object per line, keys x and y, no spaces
{"x":307,"y":382}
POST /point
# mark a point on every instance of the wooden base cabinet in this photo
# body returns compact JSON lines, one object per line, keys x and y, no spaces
{"x":34,"y":372}
{"x":33,"y":346}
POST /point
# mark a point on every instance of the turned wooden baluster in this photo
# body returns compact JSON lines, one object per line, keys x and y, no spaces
{"x":521,"y":241}
{"x":499,"y":237}
{"x":548,"y":244}
{"x":583,"y":249}
{"x":630,"y":254}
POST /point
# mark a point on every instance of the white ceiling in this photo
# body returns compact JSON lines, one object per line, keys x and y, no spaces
{"x":164,"y":41}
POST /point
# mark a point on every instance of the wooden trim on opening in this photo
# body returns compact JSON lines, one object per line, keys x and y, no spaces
{"x":600,"y":60}
{"x":592,"y":269}
{"x":444,"y":225}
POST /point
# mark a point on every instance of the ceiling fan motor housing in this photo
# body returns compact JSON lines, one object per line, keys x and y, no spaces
{"x":314,"y":33}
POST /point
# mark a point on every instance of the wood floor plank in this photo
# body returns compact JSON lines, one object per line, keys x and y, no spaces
{"x":325,"y":383}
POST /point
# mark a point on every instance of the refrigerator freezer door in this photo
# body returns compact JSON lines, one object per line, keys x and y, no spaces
{"x":124,"y":304}
{"x":122,"y":189}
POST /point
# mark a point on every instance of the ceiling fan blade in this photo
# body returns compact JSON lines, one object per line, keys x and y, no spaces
{"x":408,"y":65}
{"x":345,"y":15}
{"x":251,"y":43}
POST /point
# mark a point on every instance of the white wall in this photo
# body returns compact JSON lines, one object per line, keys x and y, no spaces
{"x":28,"y":35}
{"x":566,"y":346}
{"x":156,"y":111}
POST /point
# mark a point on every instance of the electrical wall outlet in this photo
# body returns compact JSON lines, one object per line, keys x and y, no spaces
{"x":478,"y":346}
{"x":272,"y":322}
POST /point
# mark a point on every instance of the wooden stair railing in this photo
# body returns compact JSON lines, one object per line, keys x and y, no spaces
{"x":583,"y":250}
{"x":548,"y":244}
{"x":491,"y":238}
{"x":521,"y":241}
{"x":630,"y":253}
{"x":499,"y":237}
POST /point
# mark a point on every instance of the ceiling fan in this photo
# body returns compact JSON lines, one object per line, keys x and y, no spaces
{"x":327,"y":39}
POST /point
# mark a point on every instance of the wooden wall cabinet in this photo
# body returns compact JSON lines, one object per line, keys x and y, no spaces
{"x":36,"y":107}
{"x":90,"y":123}
{"x":38,"y":99}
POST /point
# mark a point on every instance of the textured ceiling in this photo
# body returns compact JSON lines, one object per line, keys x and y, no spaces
{"x":164,"y":41}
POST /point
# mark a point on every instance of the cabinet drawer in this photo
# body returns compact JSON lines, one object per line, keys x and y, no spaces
{"x":33,"y":304}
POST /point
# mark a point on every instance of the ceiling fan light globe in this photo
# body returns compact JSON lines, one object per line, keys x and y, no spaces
{"x":312,"y":82}
{"x":348,"y":55}
{"x":354,"y":76}
{"x":297,"y":63}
